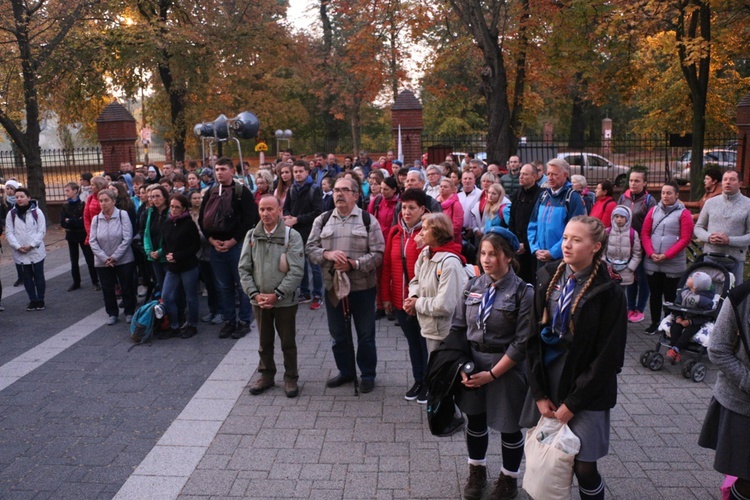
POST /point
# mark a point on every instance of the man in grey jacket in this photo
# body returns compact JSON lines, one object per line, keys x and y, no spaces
{"x":271,"y":266}
{"x":724,"y":223}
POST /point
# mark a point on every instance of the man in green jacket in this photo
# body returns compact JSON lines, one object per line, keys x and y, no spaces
{"x":271,"y":267}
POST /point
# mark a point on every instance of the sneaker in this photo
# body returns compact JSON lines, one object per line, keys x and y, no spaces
{"x":316,"y":303}
{"x":506,"y":487}
{"x":207,"y":318}
{"x":305,"y":298}
{"x":98,"y":288}
{"x":391,"y":316}
{"x":218,"y":319}
{"x":227,"y":330}
{"x":241,"y":330}
{"x":652,"y":329}
{"x":39,"y":305}
{"x":142,"y":291}
{"x":422,"y":396}
{"x":74,"y":286}
{"x":261,"y":385}
{"x":630,"y":314}
{"x":188,"y":331}
{"x":291,"y":389}
{"x":112,"y":320}
{"x":379,"y":314}
{"x":637,"y":317}
{"x":31,"y":306}
{"x":18,"y":282}
{"x":412,"y":393}
{"x":2,"y":307}
{"x":674,"y":356}
{"x":128,"y":318}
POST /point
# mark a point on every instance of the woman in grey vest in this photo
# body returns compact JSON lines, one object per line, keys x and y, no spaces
{"x":666,"y":233}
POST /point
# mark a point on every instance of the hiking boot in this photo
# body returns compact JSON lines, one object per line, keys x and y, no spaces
{"x":476,"y":482}
{"x":74,"y":286}
{"x":422,"y":396}
{"x":188,"y":331}
{"x":241,"y":330}
{"x":291,"y":389}
{"x":674,"y":356}
{"x":316,"y":303}
{"x":227,"y":330}
{"x":304,"y":298}
{"x":260,"y":385}
{"x":652,"y":329}
{"x":412,"y":393}
{"x":506,"y":487}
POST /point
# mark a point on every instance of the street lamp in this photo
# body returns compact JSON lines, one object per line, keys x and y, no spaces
{"x":283,"y":135}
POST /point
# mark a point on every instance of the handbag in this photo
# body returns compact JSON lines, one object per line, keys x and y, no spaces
{"x":550,"y":448}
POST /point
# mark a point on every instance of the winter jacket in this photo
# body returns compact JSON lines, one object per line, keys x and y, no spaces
{"x":667,"y":230}
{"x":23,"y":229}
{"x":304,"y":202}
{"x":259,"y":264}
{"x":549,"y":218}
{"x":521,"y":208}
{"x":90,"y":211}
{"x":595,"y":351}
{"x":438,"y":284}
{"x":624,"y":246}
{"x":71,"y":219}
{"x":639,"y":206}
{"x":455,"y":212}
{"x":602,"y":210}
{"x":511,"y":183}
{"x":384,"y":210}
{"x":400,"y":246}
{"x":111,"y":238}
{"x":467,"y":202}
{"x":480,"y":221}
{"x":153,"y":233}
{"x":703,"y":299}
{"x":180,"y":237}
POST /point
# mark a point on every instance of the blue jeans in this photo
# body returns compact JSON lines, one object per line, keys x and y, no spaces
{"x":317,"y":279}
{"x":172,"y":290}
{"x":417,"y":345}
{"x":160,"y":271}
{"x":638,"y":292}
{"x":362,"y":307}
{"x":33,"y":280}
{"x":227,"y":276}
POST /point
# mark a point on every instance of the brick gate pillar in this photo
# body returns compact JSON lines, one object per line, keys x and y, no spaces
{"x":116,"y":132}
{"x":407,"y":112}
{"x":743,"y":136}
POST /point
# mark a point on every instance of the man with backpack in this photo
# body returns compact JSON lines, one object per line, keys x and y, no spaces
{"x":302,"y":205}
{"x":271,"y":267}
{"x":348,"y":244}
{"x":557,"y":204}
{"x":227,"y":213}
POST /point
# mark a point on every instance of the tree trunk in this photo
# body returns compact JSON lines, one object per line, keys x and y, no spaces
{"x":176,"y":108}
{"x":520,"y":83}
{"x":576,"y":136}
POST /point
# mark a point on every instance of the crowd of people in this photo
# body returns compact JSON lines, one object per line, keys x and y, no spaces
{"x":560,"y":271}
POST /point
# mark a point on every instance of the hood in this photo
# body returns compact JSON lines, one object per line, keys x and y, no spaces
{"x":622,"y":210}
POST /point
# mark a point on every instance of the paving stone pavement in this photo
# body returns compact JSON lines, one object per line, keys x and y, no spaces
{"x":175,"y":419}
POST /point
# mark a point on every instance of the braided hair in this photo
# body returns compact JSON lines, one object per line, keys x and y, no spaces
{"x":598,"y":234}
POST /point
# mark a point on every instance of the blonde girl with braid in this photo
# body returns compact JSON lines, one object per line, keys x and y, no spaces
{"x":580,"y":316}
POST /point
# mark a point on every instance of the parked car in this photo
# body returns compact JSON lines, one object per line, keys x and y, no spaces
{"x":724,"y":158}
{"x":595,"y":168}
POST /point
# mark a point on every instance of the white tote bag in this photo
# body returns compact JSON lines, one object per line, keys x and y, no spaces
{"x":550,"y":449}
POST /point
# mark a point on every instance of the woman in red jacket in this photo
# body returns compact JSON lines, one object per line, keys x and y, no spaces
{"x":452,"y":207}
{"x":92,"y":207}
{"x":401,"y":253}
{"x":383,"y":206}
{"x":604,"y":203}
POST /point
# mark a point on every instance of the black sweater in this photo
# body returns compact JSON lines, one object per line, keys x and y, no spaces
{"x":181,"y":238}
{"x":596,"y":351}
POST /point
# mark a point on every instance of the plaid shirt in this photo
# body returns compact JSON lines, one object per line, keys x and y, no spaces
{"x":349,"y":235}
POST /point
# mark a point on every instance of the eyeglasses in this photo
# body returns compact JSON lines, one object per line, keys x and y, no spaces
{"x":176,"y":207}
{"x":343,"y":190}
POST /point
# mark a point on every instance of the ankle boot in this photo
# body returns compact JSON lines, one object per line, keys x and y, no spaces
{"x":476,"y":482}
{"x":506,"y":487}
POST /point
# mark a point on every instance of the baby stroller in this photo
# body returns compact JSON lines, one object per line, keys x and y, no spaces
{"x":718,"y":267}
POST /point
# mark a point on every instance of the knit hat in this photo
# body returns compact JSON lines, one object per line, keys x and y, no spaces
{"x":13,"y":184}
{"x":623,"y":211}
{"x":701,"y":281}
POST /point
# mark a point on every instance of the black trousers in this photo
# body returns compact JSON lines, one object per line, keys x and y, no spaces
{"x":88,"y":255}
{"x":663,"y":289}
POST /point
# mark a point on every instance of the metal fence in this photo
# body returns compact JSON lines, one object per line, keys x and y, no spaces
{"x":665,"y":157}
{"x":59,"y":166}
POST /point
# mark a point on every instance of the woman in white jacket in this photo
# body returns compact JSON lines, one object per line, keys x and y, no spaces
{"x":439,"y":280}
{"x":25,"y":227}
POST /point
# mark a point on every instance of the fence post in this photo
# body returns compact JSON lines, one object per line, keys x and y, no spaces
{"x":743,"y":131}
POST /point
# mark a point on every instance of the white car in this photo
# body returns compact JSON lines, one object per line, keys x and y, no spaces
{"x":595,"y":168}
{"x":724,"y":158}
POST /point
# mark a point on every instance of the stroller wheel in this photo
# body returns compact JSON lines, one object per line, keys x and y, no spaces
{"x":644,"y":358}
{"x":655,"y":361}
{"x":699,"y":372}
{"x":687,"y":368}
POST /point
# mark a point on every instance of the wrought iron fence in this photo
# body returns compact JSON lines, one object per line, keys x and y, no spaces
{"x":664,"y":156}
{"x":59,"y":167}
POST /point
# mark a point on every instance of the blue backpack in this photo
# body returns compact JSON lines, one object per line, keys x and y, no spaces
{"x":143,"y":324}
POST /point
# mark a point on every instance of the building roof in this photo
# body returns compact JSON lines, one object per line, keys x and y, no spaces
{"x":406,"y":100}
{"x":115,"y":112}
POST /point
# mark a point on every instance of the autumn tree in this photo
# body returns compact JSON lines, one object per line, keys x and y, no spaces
{"x":32,"y":34}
